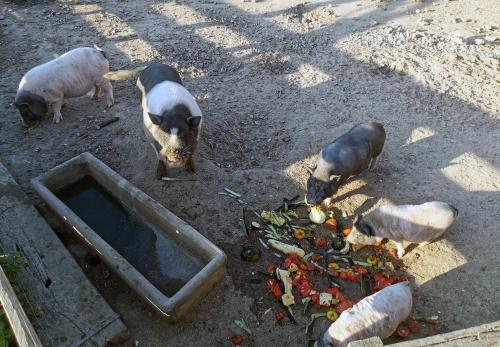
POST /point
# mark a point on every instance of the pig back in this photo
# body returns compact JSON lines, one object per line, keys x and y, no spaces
{"x":376,"y":315}
{"x":350,"y":154}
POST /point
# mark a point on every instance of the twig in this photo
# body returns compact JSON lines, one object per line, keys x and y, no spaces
{"x":174,"y":179}
{"x":107,"y":122}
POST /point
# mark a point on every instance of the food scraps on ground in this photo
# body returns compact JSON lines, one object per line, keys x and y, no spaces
{"x":317,"y":215}
{"x":279,"y":315}
{"x":250,"y":253}
{"x":413,"y":326}
{"x":299,"y":234}
{"x":240,"y":323}
{"x":286,"y":248}
{"x":319,"y":242}
{"x":332,"y":315}
{"x":333,"y":266}
{"x":403,"y":331}
{"x":273,"y":217}
{"x":325,"y":299}
{"x":255,"y":225}
{"x":394,"y":252}
{"x":331,"y":223}
{"x":372,"y":260}
{"x":236,"y":340}
{"x":346,"y":231}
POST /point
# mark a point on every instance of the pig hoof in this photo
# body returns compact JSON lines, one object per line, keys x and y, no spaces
{"x":57,"y":118}
{"x":161,"y":170}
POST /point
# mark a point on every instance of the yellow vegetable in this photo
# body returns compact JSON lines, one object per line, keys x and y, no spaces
{"x":332,"y":315}
{"x":372,"y":260}
{"x":333,"y":266}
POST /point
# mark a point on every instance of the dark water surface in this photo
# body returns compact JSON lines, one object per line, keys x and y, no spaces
{"x":165,"y":264}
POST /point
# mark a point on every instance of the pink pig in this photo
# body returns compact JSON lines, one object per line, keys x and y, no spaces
{"x":72,"y":74}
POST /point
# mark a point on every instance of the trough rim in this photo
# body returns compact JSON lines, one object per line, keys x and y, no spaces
{"x":214,"y":258}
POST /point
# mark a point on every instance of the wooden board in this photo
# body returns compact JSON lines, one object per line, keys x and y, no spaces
{"x":74,"y":313}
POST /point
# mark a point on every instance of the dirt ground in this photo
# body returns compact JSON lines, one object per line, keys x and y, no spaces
{"x":276,"y":80}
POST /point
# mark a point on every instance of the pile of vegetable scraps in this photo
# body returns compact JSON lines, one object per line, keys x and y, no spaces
{"x":313,"y":275}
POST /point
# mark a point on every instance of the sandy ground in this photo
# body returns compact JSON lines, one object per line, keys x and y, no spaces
{"x":277,"y":80}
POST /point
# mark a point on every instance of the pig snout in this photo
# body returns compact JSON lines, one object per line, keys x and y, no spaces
{"x":318,"y":190}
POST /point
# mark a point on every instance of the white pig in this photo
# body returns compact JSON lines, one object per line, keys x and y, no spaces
{"x":412,"y":223}
{"x":72,"y":74}
{"x":376,"y":315}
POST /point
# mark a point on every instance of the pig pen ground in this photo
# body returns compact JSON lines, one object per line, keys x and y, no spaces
{"x":277,"y":80}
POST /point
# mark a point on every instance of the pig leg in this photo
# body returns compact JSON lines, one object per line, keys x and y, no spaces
{"x":96,"y":93}
{"x":401,"y":249}
{"x":190,"y":165}
{"x":372,"y":164}
{"x":161,"y":170}
{"x":56,"y":107}
{"x":108,"y":90}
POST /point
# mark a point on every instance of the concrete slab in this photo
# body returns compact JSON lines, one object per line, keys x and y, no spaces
{"x":479,"y":336}
{"x":74,"y":313}
{"x":151,"y":212}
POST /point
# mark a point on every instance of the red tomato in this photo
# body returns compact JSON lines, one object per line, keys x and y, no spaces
{"x":279,"y":316}
{"x":297,"y":281}
{"x":379,"y":276}
{"x":270,"y":284}
{"x":237,"y":340}
{"x":333,"y":291}
{"x":277,"y":292}
{"x":392,"y":279}
{"x":343,"y":306}
{"x":319,"y":242}
{"x":413,"y":326}
{"x":403,"y":331}
{"x":270,"y":268}
{"x":344,"y":276}
{"x":311,"y":267}
{"x":381,"y":285}
{"x":316,"y":258}
{"x":355,"y":278}
{"x":360,"y":270}
{"x":305,"y":289}
{"x":315,"y":299}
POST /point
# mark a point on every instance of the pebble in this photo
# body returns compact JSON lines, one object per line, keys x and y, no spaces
{"x":479,"y":42}
{"x":490,"y":39}
{"x":424,"y":21}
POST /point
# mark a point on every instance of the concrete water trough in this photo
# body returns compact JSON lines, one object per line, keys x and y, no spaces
{"x":167,"y":262}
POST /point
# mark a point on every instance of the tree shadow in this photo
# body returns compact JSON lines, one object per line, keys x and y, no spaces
{"x":300,"y":91}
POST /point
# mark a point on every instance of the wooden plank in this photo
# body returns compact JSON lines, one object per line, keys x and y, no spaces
{"x":74,"y":313}
{"x":19,"y":322}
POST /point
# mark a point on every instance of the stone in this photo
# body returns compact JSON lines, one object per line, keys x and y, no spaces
{"x":479,"y":42}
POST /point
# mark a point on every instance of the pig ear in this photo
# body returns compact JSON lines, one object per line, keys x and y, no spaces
{"x":365,"y":228}
{"x":155,"y":119}
{"x":194,"y":122}
{"x":335,"y":178}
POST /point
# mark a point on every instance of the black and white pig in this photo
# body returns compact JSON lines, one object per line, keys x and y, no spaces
{"x":172,"y":118}
{"x":411,"y":223}
{"x":376,"y":315}
{"x":72,"y":74}
{"x":348,"y":155}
